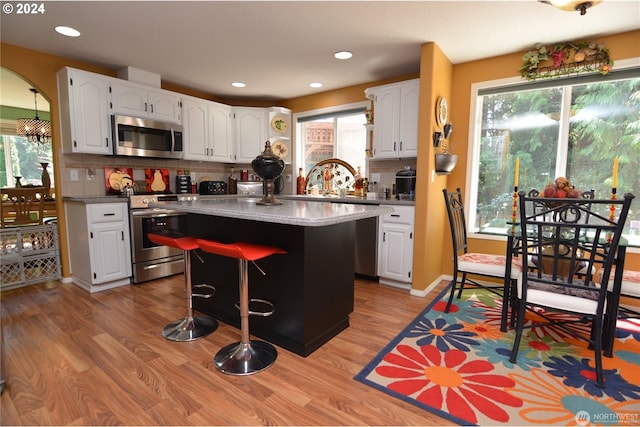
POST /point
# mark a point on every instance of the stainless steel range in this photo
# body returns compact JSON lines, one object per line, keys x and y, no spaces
{"x":151,"y":261}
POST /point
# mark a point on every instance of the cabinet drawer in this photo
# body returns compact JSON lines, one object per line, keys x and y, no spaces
{"x":106,"y":212}
{"x":401,"y":215}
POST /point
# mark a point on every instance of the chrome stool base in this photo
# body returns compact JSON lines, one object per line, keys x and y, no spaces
{"x":189,"y":328}
{"x":245,"y":359}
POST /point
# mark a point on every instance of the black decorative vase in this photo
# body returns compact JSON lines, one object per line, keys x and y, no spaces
{"x":268,"y":166}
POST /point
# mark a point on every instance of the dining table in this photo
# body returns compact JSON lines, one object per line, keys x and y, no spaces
{"x":514,"y":248}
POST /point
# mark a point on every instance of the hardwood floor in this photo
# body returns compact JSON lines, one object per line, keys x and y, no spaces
{"x":74,"y":358}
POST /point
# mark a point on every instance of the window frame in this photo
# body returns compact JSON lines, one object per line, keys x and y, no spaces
{"x":473,"y":147}
{"x":299,"y":157}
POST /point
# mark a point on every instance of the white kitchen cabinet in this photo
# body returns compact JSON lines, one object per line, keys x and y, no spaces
{"x":395,"y":125}
{"x":208,"y":131}
{"x":250,"y":132}
{"x":84,"y":112}
{"x":136,"y":100}
{"x":99,"y":244}
{"x":395,"y":246}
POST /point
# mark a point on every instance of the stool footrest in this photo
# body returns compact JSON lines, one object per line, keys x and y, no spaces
{"x":265,"y":313}
{"x":205,"y":296}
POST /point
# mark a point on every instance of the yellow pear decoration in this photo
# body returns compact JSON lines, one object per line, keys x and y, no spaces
{"x":158,"y":183}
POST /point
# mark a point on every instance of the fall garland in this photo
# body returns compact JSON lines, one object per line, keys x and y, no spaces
{"x":565,"y":58}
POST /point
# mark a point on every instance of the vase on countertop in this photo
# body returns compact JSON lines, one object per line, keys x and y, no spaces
{"x":46,"y":180}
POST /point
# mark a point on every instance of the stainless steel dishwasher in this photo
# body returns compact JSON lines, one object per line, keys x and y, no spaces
{"x":367,"y":247}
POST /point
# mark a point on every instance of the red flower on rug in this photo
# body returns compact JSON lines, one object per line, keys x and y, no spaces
{"x":448,"y":381}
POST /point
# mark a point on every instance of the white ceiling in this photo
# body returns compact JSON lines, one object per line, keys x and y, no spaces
{"x":278,"y":47}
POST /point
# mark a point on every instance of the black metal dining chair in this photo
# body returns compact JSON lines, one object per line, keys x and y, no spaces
{"x":568,"y":283}
{"x":467,"y":263}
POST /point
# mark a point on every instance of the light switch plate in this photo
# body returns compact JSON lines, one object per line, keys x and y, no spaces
{"x":73,"y":175}
{"x":375,"y":177}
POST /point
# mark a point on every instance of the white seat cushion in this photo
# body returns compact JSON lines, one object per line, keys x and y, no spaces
{"x":630,"y":282}
{"x":488,"y":264}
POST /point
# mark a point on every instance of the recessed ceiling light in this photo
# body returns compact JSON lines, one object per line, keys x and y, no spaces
{"x":316,"y":84}
{"x":238,"y":84}
{"x":343,"y":54}
{"x":67,"y":31}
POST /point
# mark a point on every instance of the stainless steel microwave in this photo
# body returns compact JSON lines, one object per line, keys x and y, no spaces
{"x":138,"y":137}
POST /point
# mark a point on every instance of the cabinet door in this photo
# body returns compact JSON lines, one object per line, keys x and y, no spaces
{"x":164,"y":106}
{"x":221,"y":133}
{"x":396,"y":252}
{"x":195,"y":129}
{"x":110,"y":252}
{"x":249,"y":125}
{"x":129,"y":100}
{"x":408,"y":127}
{"x":386,"y":123}
{"x":86,"y":126}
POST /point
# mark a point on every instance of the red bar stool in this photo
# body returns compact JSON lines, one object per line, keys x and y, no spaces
{"x":246,"y":356}
{"x":191,"y":327}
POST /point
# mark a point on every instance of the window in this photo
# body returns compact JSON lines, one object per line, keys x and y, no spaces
{"x":571,"y":127}
{"x":337,"y":132}
{"x":21,"y":158}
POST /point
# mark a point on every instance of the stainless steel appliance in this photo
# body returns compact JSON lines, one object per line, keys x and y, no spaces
{"x":151,"y":261}
{"x":250,"y":188}
{"x":406,"y":184}
{"x":212,"y":187}
{"x":134,"y":136}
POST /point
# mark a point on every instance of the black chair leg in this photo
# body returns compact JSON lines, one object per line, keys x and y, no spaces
{"x":453,"y":284}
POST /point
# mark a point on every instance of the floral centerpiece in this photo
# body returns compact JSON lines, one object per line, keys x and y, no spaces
{"x":565,"y":58}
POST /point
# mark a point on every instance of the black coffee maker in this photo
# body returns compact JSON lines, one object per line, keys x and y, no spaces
{"x":406,"y":184}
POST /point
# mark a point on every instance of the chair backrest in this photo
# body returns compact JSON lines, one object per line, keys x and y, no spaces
{"x":571,"y":247}
{"x":21,"y":206}
{"x":457,"y":221}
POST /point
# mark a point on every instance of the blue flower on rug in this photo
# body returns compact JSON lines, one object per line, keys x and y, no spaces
{"x":499,"y":351}
{"x":446,"y":336}
{"x":578,"y":373}
{"x":460,"y":311}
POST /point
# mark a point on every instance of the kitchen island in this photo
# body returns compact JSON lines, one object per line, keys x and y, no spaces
{"x":311,"y":286}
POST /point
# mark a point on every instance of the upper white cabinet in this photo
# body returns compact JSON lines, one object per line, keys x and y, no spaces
{"x":395,"y":128}
{"x":208,"y":130}
{"x":84,"y":112}
{"x":136,"y":100}
{"x":250,"y":132}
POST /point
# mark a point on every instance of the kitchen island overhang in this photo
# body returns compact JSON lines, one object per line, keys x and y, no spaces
{"x":312,"y":286}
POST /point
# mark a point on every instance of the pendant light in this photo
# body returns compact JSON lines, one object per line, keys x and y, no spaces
{"x":35,"y":130}
{"x":572,"y":5}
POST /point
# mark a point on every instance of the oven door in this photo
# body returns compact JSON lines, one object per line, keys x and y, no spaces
{"x":146,"y":221}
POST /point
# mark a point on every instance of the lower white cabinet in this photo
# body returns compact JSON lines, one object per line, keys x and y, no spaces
{"x":99,"y":244}
{"x":395,"y":246}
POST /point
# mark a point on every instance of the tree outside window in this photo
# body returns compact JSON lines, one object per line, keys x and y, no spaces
{"x":571,"y":130}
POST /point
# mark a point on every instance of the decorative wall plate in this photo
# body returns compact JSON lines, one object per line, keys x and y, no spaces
{"x":442,"y":111}
{"x":280,"y":149}
{"x":279,"y":124}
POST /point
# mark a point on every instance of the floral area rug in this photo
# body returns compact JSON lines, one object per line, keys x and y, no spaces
{"x":457,"y":366}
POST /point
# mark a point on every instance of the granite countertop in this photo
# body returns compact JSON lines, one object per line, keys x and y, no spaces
{"x":348,"y":199}
{"x":95,"y":199}
{"x":292,"y":212}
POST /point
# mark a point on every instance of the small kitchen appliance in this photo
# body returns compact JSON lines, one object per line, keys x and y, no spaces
{"x":208,"y":188}
{"x":406,"y":184}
